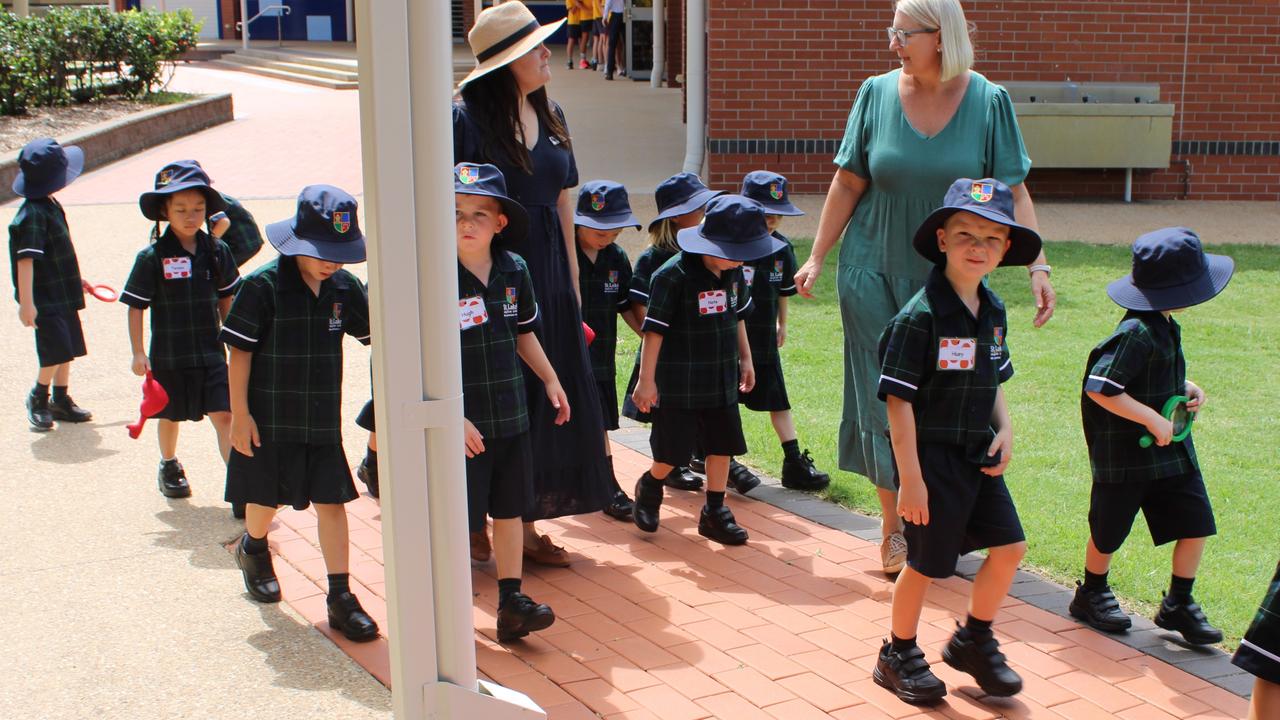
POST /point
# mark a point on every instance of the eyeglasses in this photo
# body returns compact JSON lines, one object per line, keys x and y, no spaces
{"x":902,"y":36}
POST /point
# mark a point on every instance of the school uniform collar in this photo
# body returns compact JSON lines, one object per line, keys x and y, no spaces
{"x":695,"y":268}
{"x":169,"y":245}
{"x":502,"y":263}
{"x":291,"y":279}
{"x":945,"y":302}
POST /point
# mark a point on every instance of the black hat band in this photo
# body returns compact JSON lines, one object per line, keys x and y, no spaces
{"x":508,"y":41}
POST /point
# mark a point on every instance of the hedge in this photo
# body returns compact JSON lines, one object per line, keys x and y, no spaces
{"x":79,"y":54}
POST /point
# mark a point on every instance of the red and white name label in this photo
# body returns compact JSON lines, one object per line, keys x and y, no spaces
{"x":957,"y":353}
{"x":177,"y":268}
{"x":712,"y":302}
{"x":471,"y":312}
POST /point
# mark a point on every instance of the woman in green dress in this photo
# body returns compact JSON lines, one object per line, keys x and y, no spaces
{"x":911,"y":133}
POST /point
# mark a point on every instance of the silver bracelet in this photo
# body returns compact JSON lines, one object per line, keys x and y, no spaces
{"x":1048,"y":270}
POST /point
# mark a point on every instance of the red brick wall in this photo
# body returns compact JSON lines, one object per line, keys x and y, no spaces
{"x":782,"y":70}
{"x":468,"y":14}
{"x":673,"y":65}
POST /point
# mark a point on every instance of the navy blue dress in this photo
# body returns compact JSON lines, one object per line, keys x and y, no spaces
{"x":571,"y":471}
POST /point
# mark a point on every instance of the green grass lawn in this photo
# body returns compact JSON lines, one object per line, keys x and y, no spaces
{"x":1232,"y":346}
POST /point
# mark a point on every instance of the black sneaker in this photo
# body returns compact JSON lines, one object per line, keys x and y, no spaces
{"x":1187,"y":618}
{"x":1099,"y":609}
{"x":682,"y":479}
{"x":369,"y":476}
{"x":981,"y":658}
{"x":38,"y":413}
{"x":620,"y":507}
{"x":349,"y":618}
{"x":719,"y":524}
{"x":698,"y":465}
{"x":907,"y":675}
{"x":521,"y":616}
{"x":172,"y":479}
{"x":648,"y":502}
{"x":800,"y":474}
{"x":66,"y":410}
{"x":741,"y":478}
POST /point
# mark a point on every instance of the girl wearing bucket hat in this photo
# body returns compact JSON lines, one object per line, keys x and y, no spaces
{"x":506,"y":119}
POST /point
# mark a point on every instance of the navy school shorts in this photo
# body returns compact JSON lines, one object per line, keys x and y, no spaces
{"x":1175,"y":507}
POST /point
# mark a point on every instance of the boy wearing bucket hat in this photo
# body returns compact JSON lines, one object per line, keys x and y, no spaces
{"x":695,"y":358}
{"x":285,"y":331}
{"x":186,"y":278}
{"x":604,"y":277}
{"x":46,"y":277}
{"x":1129,"y":378}
{"x":497,"y":314}
{"x":680,"y":199}
{"x":944,"y":357}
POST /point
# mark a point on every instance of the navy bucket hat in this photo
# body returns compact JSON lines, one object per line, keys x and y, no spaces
{"x":733,"y":229}
{"x":324,"y":227}
{"x":770,"y":190}
{"x":1171,"y":270}
{"x":45,"y":167}
{"x":487,"y":180}
{"x":174,"y":178}
{"x":604,"y":205}
{"x":680,"y":194}
{"x":987,"y":198}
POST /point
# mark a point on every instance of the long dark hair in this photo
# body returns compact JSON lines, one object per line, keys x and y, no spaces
{"x":492,"y":102}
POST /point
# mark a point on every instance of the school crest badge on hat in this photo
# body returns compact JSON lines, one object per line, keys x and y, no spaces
{"x":982,"y":192}
{"x":342,"y":220}
{"x":467,"y":174}
{"x":597,"y":202}
{"x":775,"y":191}
{"x":165,"y":177}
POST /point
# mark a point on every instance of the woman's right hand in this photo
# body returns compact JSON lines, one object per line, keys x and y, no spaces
{"x":807,"y":276}
{"x":141,"y":364}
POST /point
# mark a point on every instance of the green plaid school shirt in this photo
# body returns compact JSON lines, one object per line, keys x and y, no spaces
{"x":646,"y":265}
{"x":490,"y":318}
{"x":295,"y":381}
{"x":769,"y":278}
{"x":243,"y":236}
{"x":697,"y":315}
{"x":948,"y":364}
{"x":182,"y":291}
{"x":39,"y":233}
{"x":605,"y":286}
{"x":1143,"y":358}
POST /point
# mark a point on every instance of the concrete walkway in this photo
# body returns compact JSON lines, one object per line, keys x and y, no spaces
{"x":122,"y":604}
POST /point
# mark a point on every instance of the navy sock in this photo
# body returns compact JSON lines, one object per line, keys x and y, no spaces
{"x":977,"y":628}
{"x":339,"y":583}
{"x":59,"y":393}
{"x":1180,"y":589}
{"x":506,"y":588}
{"x":648,"y":480}
{"x":791,"y":449}
{"x":715,"y":499}
{"x":252,"y":545}
{"x":1095,"y":582}
{"x":40,"y":392}
{"x":900,"y":644}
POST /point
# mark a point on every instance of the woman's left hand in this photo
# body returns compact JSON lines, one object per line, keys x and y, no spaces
{"x":1046,"y":299}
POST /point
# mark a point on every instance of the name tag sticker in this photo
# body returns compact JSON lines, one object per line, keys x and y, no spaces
{"x":177,"y":268}
{"x":471,"y":312}
{"x":748,"y":274}
{"x":712,"y":302}
{"x":957,"y":353}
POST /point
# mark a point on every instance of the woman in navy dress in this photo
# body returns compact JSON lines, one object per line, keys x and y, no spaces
{"x":505,"y":118}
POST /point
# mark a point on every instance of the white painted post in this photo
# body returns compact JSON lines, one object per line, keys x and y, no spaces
{"x":695,"y":83}
{"x":405,"y":67}
{"x":659,"y":43}
{"x":244,"y":24}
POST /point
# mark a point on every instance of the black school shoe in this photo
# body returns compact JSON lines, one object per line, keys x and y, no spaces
{"x":982,"y":659}
{"x":682,"y":478}
{"x":1099,"y":609}
{"x":38,"y":413}
{"x":521,"y":616}
{"x":648,"y":503}
{"x":800,"y":474}
{"x":369,"y":476}
{"x":347,"y":617}
{"x":259,"y":574}
{"x":698,"y":465}
{"x":719,"y":524}
{"x":620,"y":507}
{"x":907,"y":675}
{"x":66,"y":410}
{"x":172,"y":480}
{"x":741,"y":479}
{"x":1187,"y":618}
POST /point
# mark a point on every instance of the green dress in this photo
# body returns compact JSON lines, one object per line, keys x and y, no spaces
{"x":878,"y":269}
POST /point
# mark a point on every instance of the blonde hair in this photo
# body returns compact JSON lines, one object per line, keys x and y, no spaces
{"x":663,"y":235}
{"x":948,"y":17}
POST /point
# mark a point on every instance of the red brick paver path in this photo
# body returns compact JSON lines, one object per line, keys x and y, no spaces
{"x":673,"y":626}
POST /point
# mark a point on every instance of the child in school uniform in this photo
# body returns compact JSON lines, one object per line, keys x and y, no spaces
{"x":46,"y":278}
{"x":497,"y":314}
{"x":1259,"y":654}
{"x":695,"y":358}
{"x":944,"y":358}
{"x":186,"y":279}
{"x":604,"y":276}
{"x":285,"y":332}
{"x":771,"y":281}
{"x":681,"y":199}
{"x":1128,"y":379}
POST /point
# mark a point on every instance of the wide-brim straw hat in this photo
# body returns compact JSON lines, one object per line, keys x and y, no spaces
{"x":504,"y":33}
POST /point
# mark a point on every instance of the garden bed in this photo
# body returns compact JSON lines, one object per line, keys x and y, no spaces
{"x":60,"y":122}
